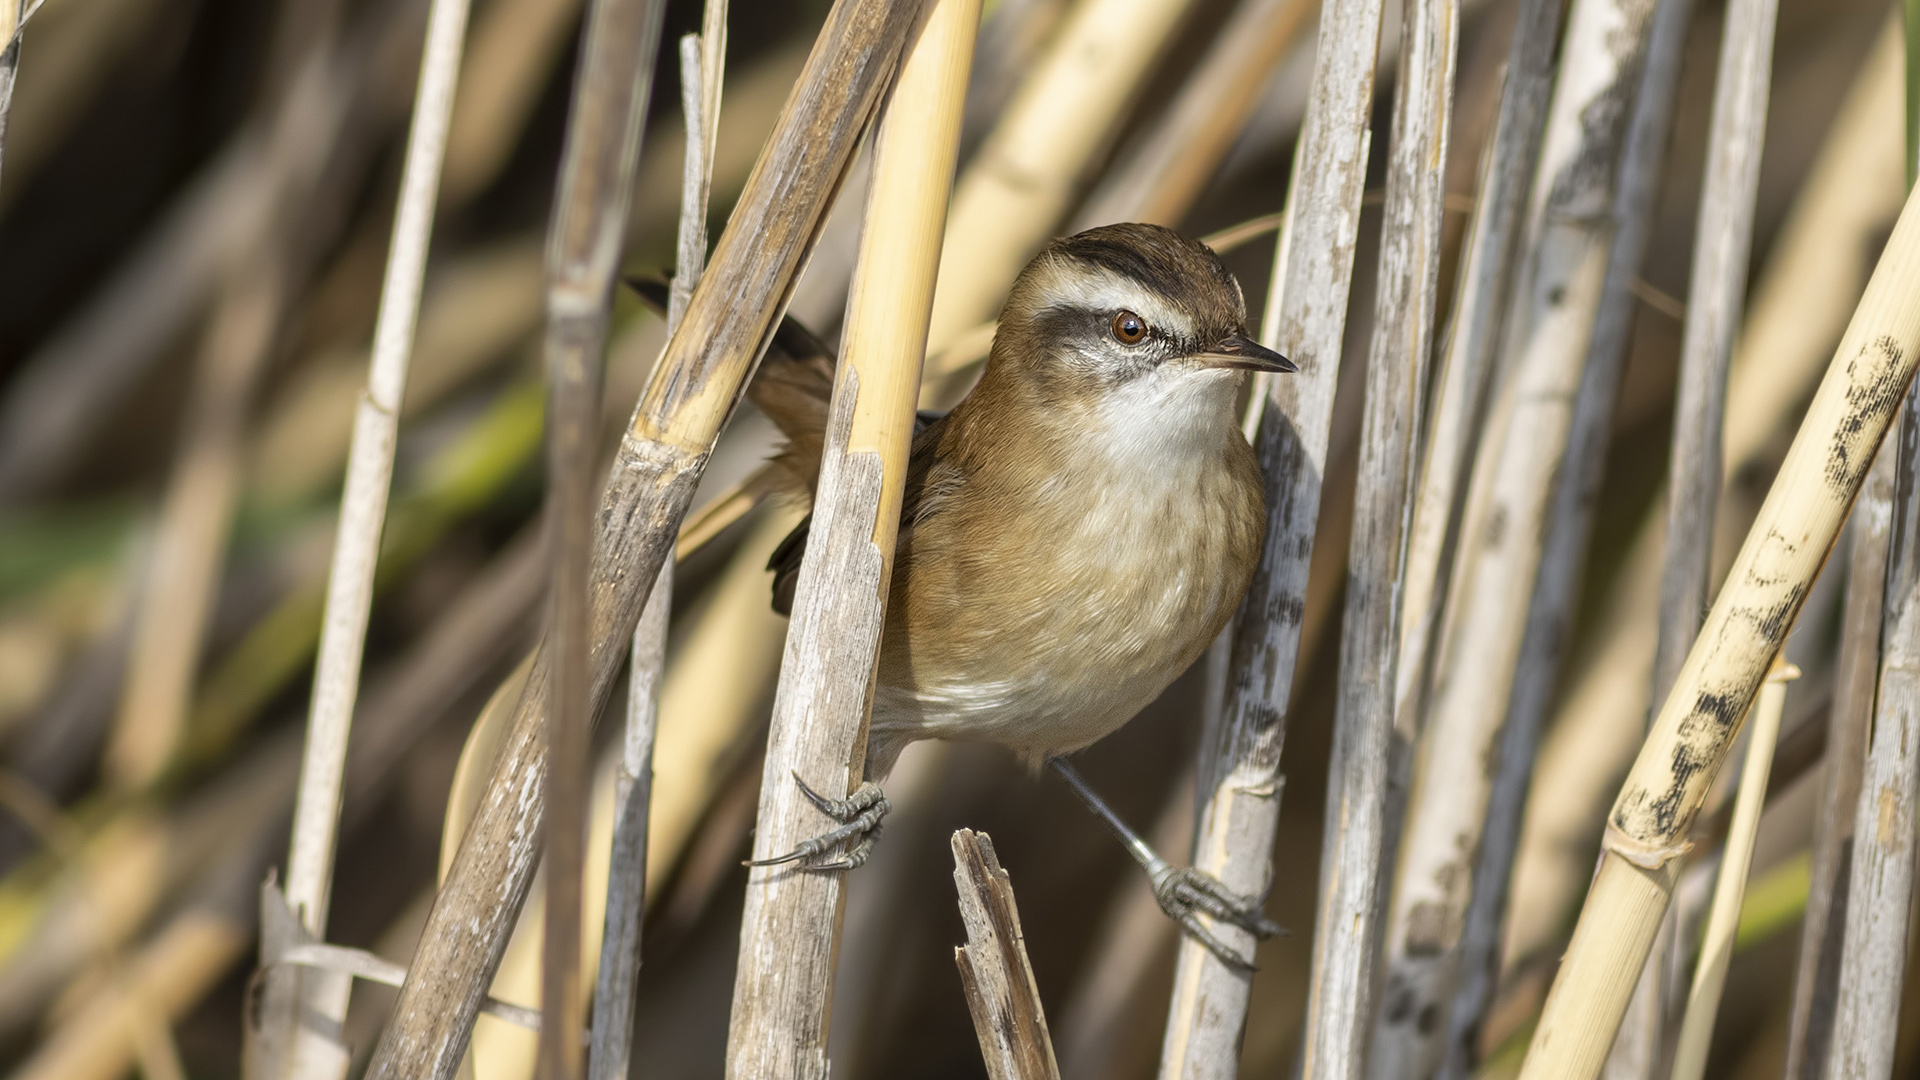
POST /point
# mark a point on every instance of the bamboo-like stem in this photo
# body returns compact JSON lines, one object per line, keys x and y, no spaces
{"x":1710,"y":977}
{"x":584,"y":241}
{"x":1866,"y":1011}
{"x":1646,"y":830}
{"x":1522,"y":537}
{"x":994,"y":971}
{"x":1239,"y":768}
{"x":1816,"y":988}
{"x":314,"y":1013}
{"x":783,"y":985}
{"x":619,"y":968}
{"x":1028,"y":171}
{"x":1362,"y":806}
{"x":1163,"y":177}
{"x":1715,"y":293}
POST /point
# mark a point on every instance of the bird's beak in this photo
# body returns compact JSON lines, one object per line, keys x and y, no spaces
{"x":1245,"y":354}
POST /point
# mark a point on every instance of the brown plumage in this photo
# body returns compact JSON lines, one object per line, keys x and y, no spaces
{"x":1076,"y":530}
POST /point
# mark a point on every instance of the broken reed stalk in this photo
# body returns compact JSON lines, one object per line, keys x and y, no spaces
{"x":1522,"y":534}
{"x":994,"y":973}
{"x":1466,"y":363}
{"x":1162,"y":178}
{"x":1866,"y":1008}
{"x":1305,"y":318}
{"x":1716,"y":952}
{"x":618,"y":972}
{"x":657,"y":465}
{"x":1362,"y":806}
{"x":693,"y":388}
{"x":584,"y":243}
{"x":1647,"y":828}
{"x":1027,"y":172}
{"x":783,"y":985}
{"x":313,"y":1013}
{"x":1816,"y":980}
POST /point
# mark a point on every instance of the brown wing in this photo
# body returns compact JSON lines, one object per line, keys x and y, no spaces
{"x":921,"y":483}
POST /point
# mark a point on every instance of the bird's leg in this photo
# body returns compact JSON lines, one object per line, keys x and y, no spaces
{"x":859,"y":815}
{"x":1183,"y":892}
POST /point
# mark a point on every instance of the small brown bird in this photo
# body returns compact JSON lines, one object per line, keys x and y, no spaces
{"x":1074,"y":533}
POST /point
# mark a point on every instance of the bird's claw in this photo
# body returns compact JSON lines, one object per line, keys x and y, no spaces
{"x":1185,"y":894}
{"x":859,"y":815}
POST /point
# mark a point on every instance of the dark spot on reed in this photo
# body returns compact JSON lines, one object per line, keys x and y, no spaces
{"x":1876,"y":378}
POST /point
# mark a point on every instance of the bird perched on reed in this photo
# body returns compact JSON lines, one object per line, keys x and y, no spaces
{"x":1073,"y":534}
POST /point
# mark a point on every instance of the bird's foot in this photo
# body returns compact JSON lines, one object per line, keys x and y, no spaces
{"x":1185,"y":894}
{"x":859,"y":815}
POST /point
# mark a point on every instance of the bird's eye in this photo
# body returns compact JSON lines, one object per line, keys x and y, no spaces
{"x":1129,"y":329}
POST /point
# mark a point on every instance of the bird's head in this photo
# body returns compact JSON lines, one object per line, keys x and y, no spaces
{"x":1133,"y":314}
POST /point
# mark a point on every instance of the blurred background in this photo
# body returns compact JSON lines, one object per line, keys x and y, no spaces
{"x":182,"y":175}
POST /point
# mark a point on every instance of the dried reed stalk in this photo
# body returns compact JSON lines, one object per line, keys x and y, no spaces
{"x":1240,"y":766}
{"x":584,"y":242}
{"x":1716,"y":952}
{"x":783,"y":985}
{"x":1866,"y":1007}
{"x":1816,"y":980}
{"x":315,"y":1004}
{"x":1811,"y":281}
{"x":619,"y":967}
{"x":1362,"y":807}
{"x":1715,"y":293}
{"x":659,"y":461}
{"x":1162,"y":178}
{"x":994,"y":971}
{"x":1531,"y":480}
{"x":1646,"y":830}
{"x":1028,"y":171}
{"x":1465,"y":366}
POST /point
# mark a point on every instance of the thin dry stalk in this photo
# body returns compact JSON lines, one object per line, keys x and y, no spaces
{"x":1796,"y":527}
{"x":788,"y":934}
{"x":619,"y":968}
{"x":1816,"y":982}
{"x":1866,"y":1010}
{"x":994,"y":972}
{"x":1362,"y":807}
{"x":1532,"y":482}
{"x":177,"y":588}
{"x":1240,"y":766}
{"x":656,"y":468}
{"x":1465,"y":367}
{"x":1025,"y":175}
{"x":1161,"y":179}
{"x":322,"y":999}
{"x":1716,"y":953}
{"x":588,"y":230}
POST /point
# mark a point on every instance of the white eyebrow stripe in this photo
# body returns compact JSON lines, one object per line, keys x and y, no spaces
{"x":1076,"y":284}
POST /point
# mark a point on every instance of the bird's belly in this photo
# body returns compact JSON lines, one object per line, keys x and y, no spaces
{"x":1048,"y":655}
